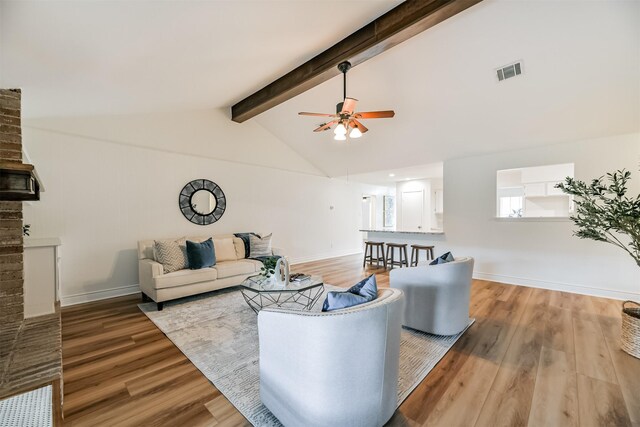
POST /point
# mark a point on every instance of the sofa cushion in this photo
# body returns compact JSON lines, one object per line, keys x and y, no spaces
{"x":256,"y":263}
{"x":172,"y":254}
{"x":364,"y":291}
{"x":224,"y":249}
{"x":200,"y":255}
{"x":235,"y":268}
{"x":239,"y":246}
{"x":185,"y":277}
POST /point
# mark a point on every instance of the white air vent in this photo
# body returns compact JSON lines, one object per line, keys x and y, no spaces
{"x":508,"y":71}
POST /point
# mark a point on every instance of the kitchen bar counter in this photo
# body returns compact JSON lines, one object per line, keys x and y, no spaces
{"x":387,"y":230}
{"x":429,"y":238}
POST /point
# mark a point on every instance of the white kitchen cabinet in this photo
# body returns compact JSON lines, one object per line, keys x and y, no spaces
{"x":41,"y":276}
{"x":438,"y":205}
{"x":535,"y":189}
{"x":552,"y":190}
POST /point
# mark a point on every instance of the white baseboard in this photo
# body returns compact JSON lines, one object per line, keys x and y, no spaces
{"x":85,"y":297}
{"x":320,"y":257}
{"x":556,"y":286}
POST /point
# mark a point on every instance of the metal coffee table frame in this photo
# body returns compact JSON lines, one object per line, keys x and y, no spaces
{"x":303,"y":297}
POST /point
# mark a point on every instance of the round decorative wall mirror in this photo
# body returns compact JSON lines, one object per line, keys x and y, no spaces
{"x":202,"y":202}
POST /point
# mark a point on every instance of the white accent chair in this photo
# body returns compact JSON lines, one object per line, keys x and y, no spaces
{"x":338,"y":368}
{"x":436,"y":296}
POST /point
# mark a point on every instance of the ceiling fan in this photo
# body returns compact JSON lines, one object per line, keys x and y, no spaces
{"x":346,"y":118}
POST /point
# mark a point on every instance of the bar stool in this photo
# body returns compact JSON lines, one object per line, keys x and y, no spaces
{"x":402,"y":250}
{"x":415,"y":253}
{"x":369,"y":258}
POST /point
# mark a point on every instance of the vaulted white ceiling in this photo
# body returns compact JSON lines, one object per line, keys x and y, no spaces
{"x":581,"y":71}
{"x":581,"y":80}
{"x":138,"y":56}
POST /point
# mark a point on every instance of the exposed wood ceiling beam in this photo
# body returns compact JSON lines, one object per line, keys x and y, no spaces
{"x":399,"y":24}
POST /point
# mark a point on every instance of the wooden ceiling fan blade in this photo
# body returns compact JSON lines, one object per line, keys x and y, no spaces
{"x":356,"y":124}
{"x":387,"y":114}
{"x":325,"y":126}
{"x":304,"y":113}
{"x":349,"y":106}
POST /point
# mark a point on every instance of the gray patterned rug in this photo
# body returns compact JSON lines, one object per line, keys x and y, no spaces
{"x":218,"y":332}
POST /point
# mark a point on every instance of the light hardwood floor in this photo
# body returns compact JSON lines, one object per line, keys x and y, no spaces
{"x":534,"y":357}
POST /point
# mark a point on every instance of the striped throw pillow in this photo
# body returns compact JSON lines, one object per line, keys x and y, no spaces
{"x":172,"y":254}
{"x":260,"y":246}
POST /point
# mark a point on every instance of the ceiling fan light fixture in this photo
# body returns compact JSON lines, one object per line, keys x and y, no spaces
{"x":340,"y":129}
{"x":346,"y":118}
{"x":355,"y":133}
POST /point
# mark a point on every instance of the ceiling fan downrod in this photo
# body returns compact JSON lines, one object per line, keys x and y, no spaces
{"x":343,"y":67}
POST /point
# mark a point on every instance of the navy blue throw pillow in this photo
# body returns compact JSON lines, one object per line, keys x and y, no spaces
{"x":442,"y":259}
{"x":201,"y":255}
{"x":364,"y":291}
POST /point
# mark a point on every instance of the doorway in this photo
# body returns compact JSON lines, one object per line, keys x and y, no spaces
{"x":368,"y":212}
{"x":412,"y":210}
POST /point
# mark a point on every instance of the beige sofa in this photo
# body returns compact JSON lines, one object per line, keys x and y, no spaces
{"x":160,"y":286}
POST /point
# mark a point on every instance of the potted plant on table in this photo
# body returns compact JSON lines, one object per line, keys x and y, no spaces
{"x":268,"y":267}
{"x":605,"y":213}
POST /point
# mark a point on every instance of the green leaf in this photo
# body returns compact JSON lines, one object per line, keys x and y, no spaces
{"x":604,"y":211}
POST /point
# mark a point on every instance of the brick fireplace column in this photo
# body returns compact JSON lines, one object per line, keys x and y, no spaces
{"x":11,"y":243}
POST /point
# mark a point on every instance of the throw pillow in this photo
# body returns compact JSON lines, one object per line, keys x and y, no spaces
{"x":224,"y":249}
{"x":365,"y":291}
{"x":201,"y":255}
{"x":442,"y":259}
{"x":260,"y":246}
{"x":172,"y":254}
{"x":246,"y":243}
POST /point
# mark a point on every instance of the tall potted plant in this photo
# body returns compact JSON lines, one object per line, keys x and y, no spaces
{"x":605,"y":213}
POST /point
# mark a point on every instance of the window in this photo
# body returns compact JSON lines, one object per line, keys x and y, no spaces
{"x":389,"y":215}
{"x":531,"y":193}
{"x":510,"y":207}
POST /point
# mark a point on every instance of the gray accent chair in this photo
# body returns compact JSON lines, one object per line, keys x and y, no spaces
{"x":337,"y":368}
{"x":436,"y":296}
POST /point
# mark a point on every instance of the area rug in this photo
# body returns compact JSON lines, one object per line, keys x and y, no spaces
{"x":218,"y":332}
{"x":27,"y":409}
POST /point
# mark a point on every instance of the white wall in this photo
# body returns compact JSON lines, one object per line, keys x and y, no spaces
{"x":106,"y":188}
{"x":537,"y":252}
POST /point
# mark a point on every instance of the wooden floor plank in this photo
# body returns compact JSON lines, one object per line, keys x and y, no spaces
{"x":225,"y":413}
{"x":555,"y":397}
{"x":601,"y":403}
{"x":626,"y":366}
{"x":509,"y":400}
{"x":592,"y":354}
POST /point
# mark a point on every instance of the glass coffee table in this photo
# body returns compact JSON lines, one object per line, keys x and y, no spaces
{"x":260,"y":293}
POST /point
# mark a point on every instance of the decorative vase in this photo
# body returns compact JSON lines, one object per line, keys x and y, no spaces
{"x":282,"y":273}
{"x":630,"y":340}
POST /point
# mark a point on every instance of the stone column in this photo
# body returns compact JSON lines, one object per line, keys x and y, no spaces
{"x":11,"y":243}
